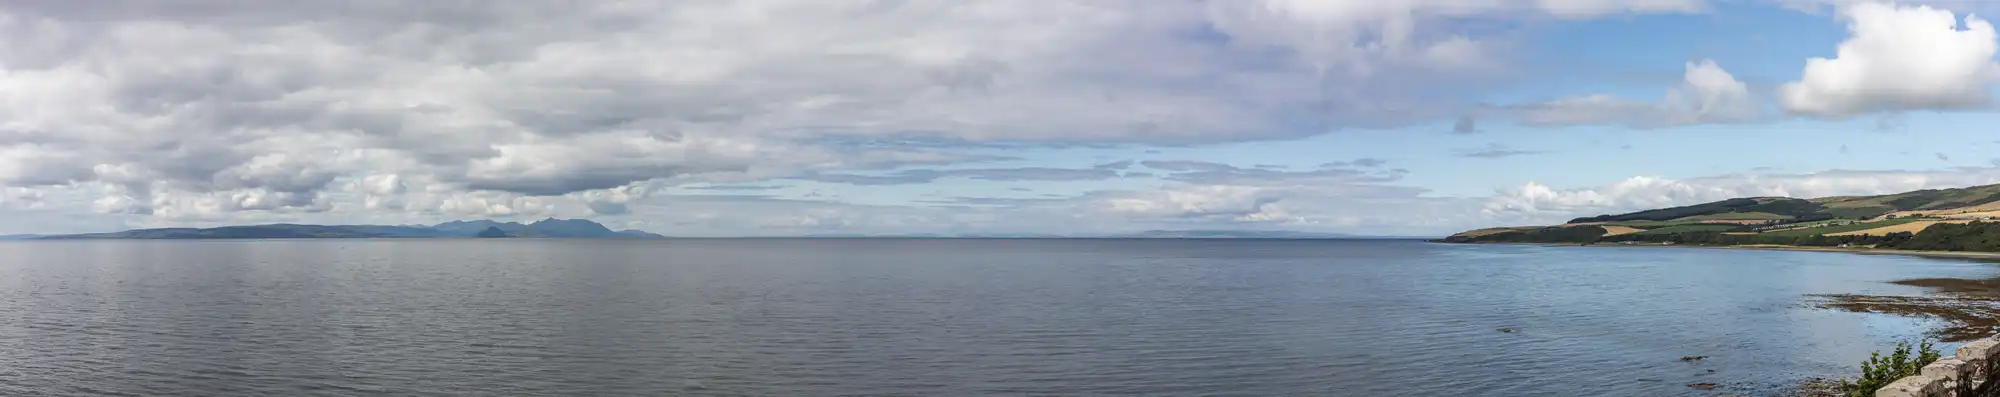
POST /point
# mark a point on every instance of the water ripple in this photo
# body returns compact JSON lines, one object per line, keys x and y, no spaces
{"x":923,"y":317}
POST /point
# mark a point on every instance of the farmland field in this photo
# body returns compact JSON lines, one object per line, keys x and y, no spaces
{"x":1688,"y":229}
{"x":1841,"y":228}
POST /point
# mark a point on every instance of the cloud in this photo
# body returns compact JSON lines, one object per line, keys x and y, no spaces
{"x":917,"y":176}
{"x":1186,"y":165}
{"x":279,"y":102}
{"x":1325,"y":206}
{"x":737,"y":187}
{"x":1364,"y":162}
{"x":1465,"y":125}
{"x":1494,"y":151}
{"x":1898,"y":58}
{"x":1707,"y":94}
{"x":218,"y":112}
{"x":1941,"y":156}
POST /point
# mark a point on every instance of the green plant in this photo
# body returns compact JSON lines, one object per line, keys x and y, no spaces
{"x":1879,"y":370}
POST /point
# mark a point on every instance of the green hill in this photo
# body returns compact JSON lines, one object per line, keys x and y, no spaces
{"x":1739,"y":208}
{"x":1963,"y":216}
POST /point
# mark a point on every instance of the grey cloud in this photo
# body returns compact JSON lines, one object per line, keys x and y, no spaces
{"x":564,"y":183}
{"x":1116,"y":165}
{"x":1186,"y":165}
{"x":993,"y":201}
{"x":989,"y":174}
{"x":1465,"y":125}
{"x":1495,"y":151}
{"x":1891,"y":122}
{"x":1202,"y":172}
{"x":609,"y":208}
{"x":1365,"y":162}
{"x":737,"y":187}
{"x":1942,"y":156}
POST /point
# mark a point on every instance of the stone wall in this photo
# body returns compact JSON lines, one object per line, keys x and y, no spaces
{"x":1970,"y":372}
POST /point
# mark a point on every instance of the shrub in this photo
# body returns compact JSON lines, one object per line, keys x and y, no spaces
{"x":1879,"y":370}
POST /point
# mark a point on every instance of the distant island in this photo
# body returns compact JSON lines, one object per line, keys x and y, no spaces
{"x":1963,"y":219}
{"x":546,"y":228}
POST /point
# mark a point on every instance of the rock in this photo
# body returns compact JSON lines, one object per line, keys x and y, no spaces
{"x":1693,"y":358}
{"x":1507,"y":330}
{"x":1913,"y":386}
{"x":1702,"y":386}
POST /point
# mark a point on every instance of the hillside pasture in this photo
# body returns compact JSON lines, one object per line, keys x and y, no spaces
{"x":1689,"y":229}
{"x":1912,"y":227}
{"x":1738,"y":216}
{"x":1831,"y":229}
{"x":1648,"y":224}
{"x":1617,"y":230}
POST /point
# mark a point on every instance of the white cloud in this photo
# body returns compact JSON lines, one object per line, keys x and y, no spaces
{"x":1899,"y":58}
{"x":1592,"y":8}
{"x":1707,"y":94}
{"x":16,"y":197}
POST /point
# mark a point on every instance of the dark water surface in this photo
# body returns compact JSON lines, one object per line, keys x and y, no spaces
{"x":927,"y":317}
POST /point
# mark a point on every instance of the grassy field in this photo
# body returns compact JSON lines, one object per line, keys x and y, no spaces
{"x":1736,"y":216}
{"x":1651,"y":224}
{"x":1688,"y":229}
{"x":1841,"y":228}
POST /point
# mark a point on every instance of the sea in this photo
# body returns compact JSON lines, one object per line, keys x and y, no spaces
{"x":932,"y":317}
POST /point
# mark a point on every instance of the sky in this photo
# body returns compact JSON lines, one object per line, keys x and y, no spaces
{"x":977,"y":117}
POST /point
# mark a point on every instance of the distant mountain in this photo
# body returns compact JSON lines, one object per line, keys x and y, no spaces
{"x":20,"y":237}
{"x":547,"y":228}
{"x":1219,"y":234}
{"x":492,"y":232}
{"x":474,"y":227}
{"x":566,"y":228}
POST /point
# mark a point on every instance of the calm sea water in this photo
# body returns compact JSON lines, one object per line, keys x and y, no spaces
{"x":927,"y":317}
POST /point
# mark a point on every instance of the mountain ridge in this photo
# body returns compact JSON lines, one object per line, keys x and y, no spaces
{"x":1900,"y":221}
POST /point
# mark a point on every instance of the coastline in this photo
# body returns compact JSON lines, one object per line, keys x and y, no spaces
{"x":1861,"y":251}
